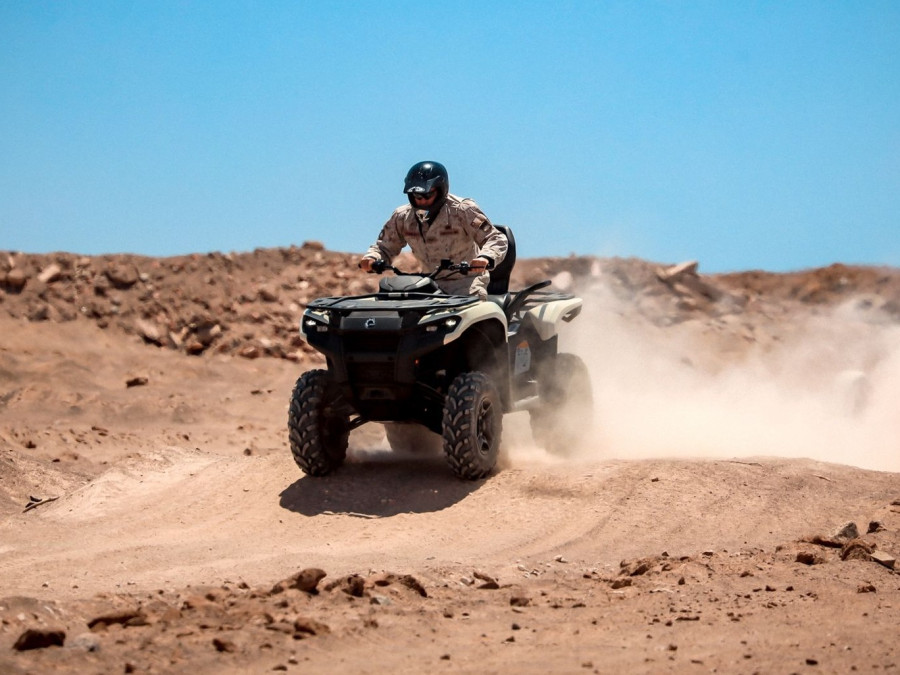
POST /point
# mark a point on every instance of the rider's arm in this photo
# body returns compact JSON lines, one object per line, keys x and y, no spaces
{"x":492,"y":242}
{"x":389,"y":243}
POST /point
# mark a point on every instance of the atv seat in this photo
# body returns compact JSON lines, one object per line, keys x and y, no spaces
{"x":499,"y":283}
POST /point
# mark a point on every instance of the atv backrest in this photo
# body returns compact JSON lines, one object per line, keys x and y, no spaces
{"x":499,"y":283}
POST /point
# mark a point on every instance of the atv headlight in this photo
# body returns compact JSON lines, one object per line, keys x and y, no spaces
{"x":316,"y":321}
{"x":447,"y":325}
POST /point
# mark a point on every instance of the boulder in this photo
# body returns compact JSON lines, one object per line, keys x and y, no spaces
{"x":16,"y":279}
{"x":122,"y":275}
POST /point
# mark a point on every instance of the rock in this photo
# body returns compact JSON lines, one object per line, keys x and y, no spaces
{"x":50,"y":273}
{"x":675,"y":272}
{"x":194,"y":347}
{"x":309,"y":626}
{"x":639,"y":567}
{"x":39,"y":638}
{"x":122,"y":275}
{"x":16,"y":279}
{"x":149,"y":331}
{"x":809,"y":558}
{"x":306,"y":580}
{"x":489,"y":582}
{"x":856,"y":549}
{"x":224,"y":645}
{"x":822,"y":540}
{"x":695,"y":293}
{"x":846,"y":532}
{"x":267,"y":293}
{"x":883,"y":558}
{"x":86,"y":641}
{"x":125,"y":617}
{"x":249,"y":352}
{"x":353,"y":585}
{"x":136,"y":381}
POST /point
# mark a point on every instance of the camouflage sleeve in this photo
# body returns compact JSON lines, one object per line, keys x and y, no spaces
{"x":491,"y":241}
{"x":390,"y":241}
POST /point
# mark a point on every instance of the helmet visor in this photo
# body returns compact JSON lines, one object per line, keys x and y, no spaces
{"x":421,"y":194}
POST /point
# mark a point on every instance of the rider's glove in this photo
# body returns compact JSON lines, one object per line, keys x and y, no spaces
{"x":481,"y":263}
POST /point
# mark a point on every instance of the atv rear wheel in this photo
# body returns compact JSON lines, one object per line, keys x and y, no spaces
{"x":564,"y":419}
{"x":318,"y":435}
{"x":472,"y":425}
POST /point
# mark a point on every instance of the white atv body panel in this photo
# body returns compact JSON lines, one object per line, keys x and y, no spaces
{"x":546,"y":318}
{"x":466,"y":317}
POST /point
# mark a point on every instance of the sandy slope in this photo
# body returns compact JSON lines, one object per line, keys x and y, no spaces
{"x":679,"y":542}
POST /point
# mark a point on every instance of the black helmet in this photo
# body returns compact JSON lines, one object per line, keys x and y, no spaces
{"x":425,"y":177}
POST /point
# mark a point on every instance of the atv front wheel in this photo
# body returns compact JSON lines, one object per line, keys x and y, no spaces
{"x":318,"y":435}
{"x":564,"y":419}
{"x":472,"y":425}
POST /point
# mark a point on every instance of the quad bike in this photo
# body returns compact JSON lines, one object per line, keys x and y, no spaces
{"x":448,"y":367}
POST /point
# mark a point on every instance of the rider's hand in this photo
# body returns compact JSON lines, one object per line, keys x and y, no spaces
{"x":365,"y":264}
{"x":478,"y":265}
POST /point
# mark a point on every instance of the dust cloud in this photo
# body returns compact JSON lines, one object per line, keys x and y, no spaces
{"x":822,"y":387}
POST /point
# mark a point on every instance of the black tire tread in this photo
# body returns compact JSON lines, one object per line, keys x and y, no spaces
{"x":462,"y":446}
{"x":315,"y":446}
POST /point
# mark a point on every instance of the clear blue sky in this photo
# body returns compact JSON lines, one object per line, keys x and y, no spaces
{"x":745,"y":135}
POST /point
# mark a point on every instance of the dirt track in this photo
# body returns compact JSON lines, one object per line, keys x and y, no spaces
{"x":692,"y":537}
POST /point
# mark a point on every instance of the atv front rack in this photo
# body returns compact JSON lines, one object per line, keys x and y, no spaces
{"x":392,"y":302}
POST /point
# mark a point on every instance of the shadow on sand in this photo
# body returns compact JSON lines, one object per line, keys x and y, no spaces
{"x":379,"y":487}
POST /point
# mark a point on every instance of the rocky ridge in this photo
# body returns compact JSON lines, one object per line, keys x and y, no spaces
{"x":249,"y":304}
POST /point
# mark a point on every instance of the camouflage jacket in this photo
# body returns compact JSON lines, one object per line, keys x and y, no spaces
{"x":460,"y":231}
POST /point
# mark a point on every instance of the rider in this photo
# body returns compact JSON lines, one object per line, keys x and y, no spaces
{"x":440,"y":226}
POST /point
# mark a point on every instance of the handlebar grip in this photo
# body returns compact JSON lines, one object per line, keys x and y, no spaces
{"x":378,"y":266}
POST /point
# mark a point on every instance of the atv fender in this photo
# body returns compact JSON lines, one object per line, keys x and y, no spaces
{"x":482,"y":311}
{"x":547,"y":317}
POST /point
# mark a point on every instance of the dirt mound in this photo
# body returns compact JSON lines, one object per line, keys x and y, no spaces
{"x":250,"y":303}
{"x":152,"y":519}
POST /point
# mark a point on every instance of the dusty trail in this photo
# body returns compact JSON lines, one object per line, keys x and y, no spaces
{"x":184,"y":517}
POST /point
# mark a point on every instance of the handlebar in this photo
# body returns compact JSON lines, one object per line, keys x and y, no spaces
{"x":380,"y":266}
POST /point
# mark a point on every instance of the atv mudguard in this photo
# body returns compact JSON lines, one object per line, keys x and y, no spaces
{"x":547,"y":317}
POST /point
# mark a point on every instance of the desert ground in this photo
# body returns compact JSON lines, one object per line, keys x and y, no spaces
{"x":737,"y":509}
